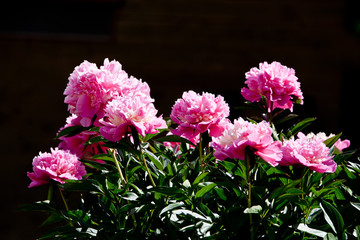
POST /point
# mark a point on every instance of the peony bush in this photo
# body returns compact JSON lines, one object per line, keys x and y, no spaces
{"x":121,"y":171}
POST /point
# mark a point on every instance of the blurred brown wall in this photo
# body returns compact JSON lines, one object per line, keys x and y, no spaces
{"x":204,"y":45}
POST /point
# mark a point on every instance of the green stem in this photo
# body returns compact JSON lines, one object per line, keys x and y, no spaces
{"x":50,"y":194}
{"x":146,"y":167}
{"x":63,"y":199}
{"x":112,"y":151}
{"x":123,"y":182}
{"x":248,"y":166}
{"x":305,"y":209}
{"x":201,"y":154}
{"x":65,"y":204}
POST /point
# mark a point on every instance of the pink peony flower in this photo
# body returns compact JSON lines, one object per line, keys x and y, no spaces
{"x":89,"y":89}
{"x":277,"y":83}
{"x":242,"y":134}
{"x":58,"y":165}
{"x":309,"y":151}
{"x":197,"y":113}
{"x":339,"y":144}
{"x":342,"y":144}
{"x":123,"y":112}
{"x":75,"y":144}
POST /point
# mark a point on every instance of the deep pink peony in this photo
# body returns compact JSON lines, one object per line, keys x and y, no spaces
{"x":197,"y":114}
{"x":59,"y":165}
{"x":242,"y":134}
{"x":75,"y":144}
{"x":277,"y":83}
{"x":90,"y":88}
{"x":123,"y":112}
{"x":309,"y":151}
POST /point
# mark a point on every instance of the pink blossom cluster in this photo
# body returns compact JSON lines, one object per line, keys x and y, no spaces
{"x":108,"y":98}
{"x":59,"y":165}
{"x":277,"y":83}
{"x":105,"y":97}
{"x":125,"y":112}
{"x":195,"y":114}
{"x":309,"y":151}
{"x":76,"y":144}
{"x":90,"y":88}
{"x":242,"y":134}
{"x":113,"y":99}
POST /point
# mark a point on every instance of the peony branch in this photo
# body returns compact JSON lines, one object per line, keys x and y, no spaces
{"x":201,"y":153}
{"x":113,"y":155}
{"x":63,"y":199}
{"x":248,"y":160}
{"x":145,"y":165}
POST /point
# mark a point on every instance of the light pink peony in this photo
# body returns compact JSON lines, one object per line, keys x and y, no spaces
{"x":236,"y":137}
{"x":277,"y":83}
{"x":339,"y":144}
{"x":123,"y":112}
{"x":197,"y":114}
{"x":309,"y":151}
{"x":342,"y":144}
{"x":90,"y":88}
{"x":59,"y":165}
{"x":75,"y":144}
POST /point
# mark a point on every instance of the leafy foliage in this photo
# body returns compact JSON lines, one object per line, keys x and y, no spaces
{"x":146,"y":190}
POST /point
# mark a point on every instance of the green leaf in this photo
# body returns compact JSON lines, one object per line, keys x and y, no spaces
{"x":38,"y":206}
{"x":249,"y":106}
{"x":151,"y":136}
{"x":78,"y":216}
{"x":229,"y":166}
{"x":314,"y":213}
{"x":331,"y":141}
{"x":126,"y":207}
{"x":207,"y":211}
{"x":82,"y":185}
{"x":339,"y":194}
{"x":96,"y":139}
{"x":305,"y":228}
{"x":330,"y":236}
{"x":204,"y":190}
{"x":344,"y":156}
{"x":286,"y":118}
{"x":71,"y":131}
{"x":104,"y":157}
{"x":174,"y":138}
{"x":254,"y":209}
{"x":348,"y":173}
{"x":167,"y":190}
{"x":97,"y":165}
{"x":52,"y":219}
{"x":291,"y":193}
{"x":357,"y":231}
{"x":221,"y":193}
{"x":192,"y":214}
{"x":154,"y":159}
{"x":171,"y":207}
{"x":355,"y":205}
{"x":199,"y":178}
{"x":333,"y":218}
{"x":145,"y":208}
{"x":129,"y":196}
{"x":300,"y":126}
{"x":283,"y":189}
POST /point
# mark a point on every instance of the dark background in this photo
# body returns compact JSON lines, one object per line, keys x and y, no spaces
{"x":173,"y":45}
